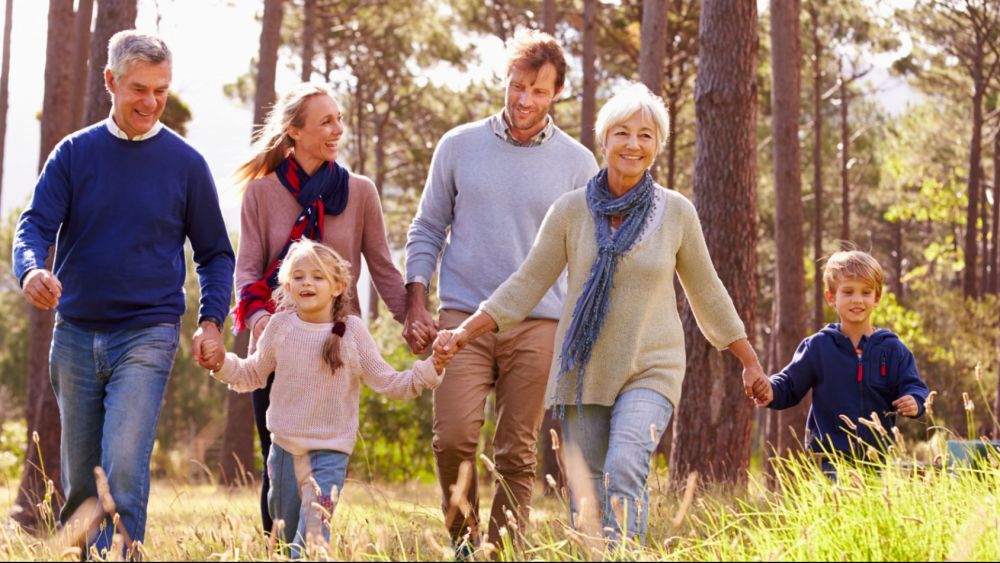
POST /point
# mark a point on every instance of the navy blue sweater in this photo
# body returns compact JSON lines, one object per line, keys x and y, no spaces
{"x":828,"y":364}
{"x":122,"y":211}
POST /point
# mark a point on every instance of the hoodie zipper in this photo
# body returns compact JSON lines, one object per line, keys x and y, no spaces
{"x":861,"y":372}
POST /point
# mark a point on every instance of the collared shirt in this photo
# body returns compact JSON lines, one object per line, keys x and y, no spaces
{"x":117,"y":131}
{"x":501,"y":129}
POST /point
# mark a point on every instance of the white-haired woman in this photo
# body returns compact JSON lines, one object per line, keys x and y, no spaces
{"x":622,"y":361}
{"x":294,"y":188}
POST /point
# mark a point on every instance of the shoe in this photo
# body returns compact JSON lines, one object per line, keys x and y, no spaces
{"x":463,"y":549}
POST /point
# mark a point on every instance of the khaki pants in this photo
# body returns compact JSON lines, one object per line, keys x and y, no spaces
{"x":517,"y":364}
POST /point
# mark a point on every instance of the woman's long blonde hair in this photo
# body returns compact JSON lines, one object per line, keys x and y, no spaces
{"x":335,"y":269}
{"x":272,"y":143}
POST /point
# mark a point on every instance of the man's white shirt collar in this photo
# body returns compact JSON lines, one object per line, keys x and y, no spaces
{"x":117,"y":131}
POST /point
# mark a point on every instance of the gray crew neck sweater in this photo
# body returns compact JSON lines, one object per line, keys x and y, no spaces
{"x":493,"y":197}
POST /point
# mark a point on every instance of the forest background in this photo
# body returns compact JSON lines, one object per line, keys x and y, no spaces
{"x":830,"y":157}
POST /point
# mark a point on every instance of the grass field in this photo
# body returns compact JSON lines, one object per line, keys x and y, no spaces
{"x":894,"y":514}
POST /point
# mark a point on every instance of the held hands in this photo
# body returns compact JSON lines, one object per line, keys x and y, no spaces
{"x":757,"y":386}
{"x":448,"y":343}
{"x":42,"y":289}
{"x":207,"y":346}
{"x":906,"y":406}
{"x":419,"y":328}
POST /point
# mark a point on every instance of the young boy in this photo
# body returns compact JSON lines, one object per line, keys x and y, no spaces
{"x":853,"y":368}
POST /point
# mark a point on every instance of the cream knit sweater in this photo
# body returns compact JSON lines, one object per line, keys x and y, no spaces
{"x":642,"y":342}
{"x":313,"y":408}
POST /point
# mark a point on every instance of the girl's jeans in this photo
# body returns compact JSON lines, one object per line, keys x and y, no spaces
{"x":617,"y":444}
{"x":293,"y":492}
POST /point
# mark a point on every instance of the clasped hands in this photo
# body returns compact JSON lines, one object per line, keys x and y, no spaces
{"x":207,"y":346}
{"x":447,"y":344}
{"x":757,"y":386}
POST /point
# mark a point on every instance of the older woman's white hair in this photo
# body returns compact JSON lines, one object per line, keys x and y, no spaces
{"x":630,"y":99}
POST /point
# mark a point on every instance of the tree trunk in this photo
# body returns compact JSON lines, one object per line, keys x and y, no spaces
{"x":5,"y":82}
{"x":360,"y":101}
{"x":652,"y":50}
{"x":270,"y":38}
{"x":236,"y":459}
{"x":996,"y":401}
{"x":772,"y":418}
{"x":112,"y":17}
{"x":588,"y":105}
{"x":712,"y":426}
{"x":308,"y":38}
{"x":81,"y":49}
{"x":41,"y":461}
{"x":790,"y":285}
{"x":549,"y":16}
{"x":845,"y":154}
{"x":672,"y":111}
{"x":984,"y":238}
{"x":897,"y":258}
{"x":817,"y":76}
{"x":653,"y":44}
{"x":969,"y":282}
{"x":381,"y":144}
{"x":994,"y":252}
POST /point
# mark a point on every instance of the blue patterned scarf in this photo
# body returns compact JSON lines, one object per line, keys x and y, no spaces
{"x":592,"y":306}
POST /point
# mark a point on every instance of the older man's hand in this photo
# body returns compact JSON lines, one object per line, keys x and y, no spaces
{"x":42,"y":288}
{"x":207,"y":346}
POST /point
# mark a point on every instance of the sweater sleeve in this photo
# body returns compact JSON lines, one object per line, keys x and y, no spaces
{"x":383,"y":378}
{"x":39,"y":224}
{"x":517,"y":296}
{"x":244,"y":375}
{"x":209,"y":238}
{"x":251,"y":257}
{"x":791,"y":384}
{"x":252,"y":254}
{"x":710,"y":302}
{"x":375,"y":248}
{"x":428,"y":231}
{"x":910,"y":382}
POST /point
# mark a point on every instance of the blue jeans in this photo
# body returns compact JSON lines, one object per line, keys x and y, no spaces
{"x":616,"y":442}
{"x":291,"y":483}
{"x":110,"y":387}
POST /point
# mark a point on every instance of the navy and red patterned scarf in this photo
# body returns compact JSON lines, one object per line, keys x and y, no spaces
{"x":324,"y":192}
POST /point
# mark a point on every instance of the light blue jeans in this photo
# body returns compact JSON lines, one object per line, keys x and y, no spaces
{"x":616,"y":442}
{"x":110,"y":387}
{"x":291,"y":484}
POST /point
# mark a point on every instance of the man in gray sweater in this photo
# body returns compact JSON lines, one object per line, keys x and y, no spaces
{"x":491,"y":183}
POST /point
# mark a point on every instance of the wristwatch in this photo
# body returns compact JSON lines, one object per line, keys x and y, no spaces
{"x":213,"y":320}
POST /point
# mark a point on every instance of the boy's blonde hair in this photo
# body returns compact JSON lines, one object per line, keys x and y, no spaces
{"x":335,"y":269}
{"x":853,"y":264}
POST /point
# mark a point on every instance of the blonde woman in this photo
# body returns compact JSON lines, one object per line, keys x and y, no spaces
{"x":294,"y":189}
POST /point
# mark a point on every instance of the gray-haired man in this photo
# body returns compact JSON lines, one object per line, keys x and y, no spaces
{"x":120,"y":198}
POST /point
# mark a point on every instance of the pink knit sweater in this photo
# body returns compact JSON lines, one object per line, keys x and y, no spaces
{"x":268,"y":213}
{"x":313,"y":408}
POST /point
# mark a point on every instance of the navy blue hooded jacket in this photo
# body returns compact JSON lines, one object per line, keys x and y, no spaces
{"x":828,"y":364}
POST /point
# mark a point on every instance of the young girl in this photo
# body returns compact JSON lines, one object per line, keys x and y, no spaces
{"x":319,"y":356}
